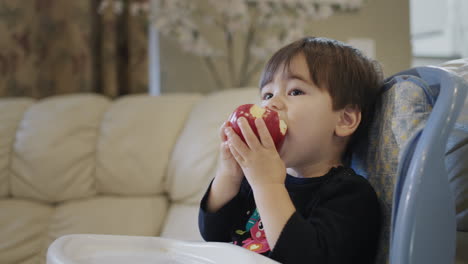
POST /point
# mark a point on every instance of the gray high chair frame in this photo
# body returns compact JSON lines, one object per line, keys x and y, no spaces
{"x":423,"y":224}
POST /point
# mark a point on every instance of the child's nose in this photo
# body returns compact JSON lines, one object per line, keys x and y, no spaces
{"x":276,"y":103}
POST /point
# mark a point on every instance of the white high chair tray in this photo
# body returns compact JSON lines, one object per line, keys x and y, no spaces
{"x":107,"y":249}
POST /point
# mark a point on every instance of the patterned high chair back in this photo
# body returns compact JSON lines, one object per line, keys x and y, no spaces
{"x":403,"y":158}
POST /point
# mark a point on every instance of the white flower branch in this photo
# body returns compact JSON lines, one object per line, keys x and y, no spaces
{"x":262,"y":25}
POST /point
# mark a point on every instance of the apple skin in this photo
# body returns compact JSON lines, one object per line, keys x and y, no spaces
{"x":275,"y":125}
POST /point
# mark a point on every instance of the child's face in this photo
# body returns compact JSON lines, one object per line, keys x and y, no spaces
{"x":310,"y":140}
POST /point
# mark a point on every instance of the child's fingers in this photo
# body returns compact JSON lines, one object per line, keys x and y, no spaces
{"x":265,"y":136}
{"x":224,"y":149}
{"x":222,"y":131}
{"x":236,"y":154}
{"x":247,"y":132}
{"x":236,"y":142}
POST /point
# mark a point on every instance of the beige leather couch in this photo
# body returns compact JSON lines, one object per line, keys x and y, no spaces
{"x":85,"y":164}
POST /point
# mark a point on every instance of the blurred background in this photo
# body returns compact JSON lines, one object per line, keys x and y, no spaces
{"x":119,"y":47}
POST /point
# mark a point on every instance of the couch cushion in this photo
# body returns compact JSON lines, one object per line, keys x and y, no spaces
{"x":194,"y":159}
{"x":11,"y":113}
{"x":30,"y":227}
{"x":53,"y":155}
{"x":182,"y":222}
{"x":132,"y":216}
{"x":23,"y":230}
{"x":136,"y":216}
{"x":137,"y":136}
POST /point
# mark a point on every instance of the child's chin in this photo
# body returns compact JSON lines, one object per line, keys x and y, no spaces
{"x":284,"y":156}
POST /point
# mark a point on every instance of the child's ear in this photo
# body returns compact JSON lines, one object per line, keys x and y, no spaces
{"x":348,"y":121}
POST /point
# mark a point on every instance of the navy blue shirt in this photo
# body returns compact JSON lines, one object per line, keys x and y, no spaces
{"x":337,"y":220}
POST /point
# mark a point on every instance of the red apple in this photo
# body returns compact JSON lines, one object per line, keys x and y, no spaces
{"x":275,"y":125}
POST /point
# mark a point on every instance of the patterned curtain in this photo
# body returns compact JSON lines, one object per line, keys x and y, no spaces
{"x":50,"y":47}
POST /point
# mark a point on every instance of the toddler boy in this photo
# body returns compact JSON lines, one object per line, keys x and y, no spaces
{"x":321,"y":211}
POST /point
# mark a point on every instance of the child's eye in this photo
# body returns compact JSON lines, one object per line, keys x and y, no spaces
{"x":267,"y":96}
{"x":296,"y":92}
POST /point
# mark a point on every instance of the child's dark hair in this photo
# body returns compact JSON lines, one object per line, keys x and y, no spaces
{"x":350,"y":77}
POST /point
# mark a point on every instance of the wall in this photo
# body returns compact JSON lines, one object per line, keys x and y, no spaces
{"x":385,"y":21}
{"x":439,"y":29}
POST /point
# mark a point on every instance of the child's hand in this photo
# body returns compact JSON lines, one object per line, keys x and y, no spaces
{"x":259,"y":159}
{"x":228,"y":166}
{"x":228,"y":177}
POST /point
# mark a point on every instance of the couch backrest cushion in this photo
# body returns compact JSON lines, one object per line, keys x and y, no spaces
{"x":137,"y":136}
{"x":53,"y":154}
{"x":11,"y":113}
{"x":194,"y":159}
{"x":76,"y":146}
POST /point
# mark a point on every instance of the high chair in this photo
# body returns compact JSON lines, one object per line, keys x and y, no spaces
{"x":403,"y":158}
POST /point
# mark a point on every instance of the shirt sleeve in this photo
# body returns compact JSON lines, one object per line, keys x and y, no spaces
{"x":217,"y":226}
{"x":343,"y":228}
